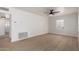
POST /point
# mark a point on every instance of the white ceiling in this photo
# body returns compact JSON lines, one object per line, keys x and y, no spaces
{"x":45,"y":10}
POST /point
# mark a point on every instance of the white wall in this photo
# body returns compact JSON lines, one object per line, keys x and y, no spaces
{"x":34,"y":24}
{"x":2,"y":27}
{"x":27,"y":22}
{"x":70,"y":24}
{"x":78,"y":22}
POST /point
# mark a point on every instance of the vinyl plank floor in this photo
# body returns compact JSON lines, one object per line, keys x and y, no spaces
{"x":46,"y":42}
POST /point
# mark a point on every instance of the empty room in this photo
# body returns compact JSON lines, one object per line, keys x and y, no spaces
{"x":39,"y":29}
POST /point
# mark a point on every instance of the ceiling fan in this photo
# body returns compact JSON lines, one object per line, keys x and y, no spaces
{"x":53,"y":12}
{"x":6,"y":16}
{"x":2,"y":17}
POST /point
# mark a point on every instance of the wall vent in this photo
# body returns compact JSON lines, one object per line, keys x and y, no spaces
{"x":23,"y":35}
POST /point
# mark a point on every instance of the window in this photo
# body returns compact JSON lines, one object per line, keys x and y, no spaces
{"x":60,"y":23}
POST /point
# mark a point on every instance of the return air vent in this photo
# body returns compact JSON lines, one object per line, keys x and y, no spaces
{"x":23,"y":35}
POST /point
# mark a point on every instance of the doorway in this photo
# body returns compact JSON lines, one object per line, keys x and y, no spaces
{"x":4,"y":25}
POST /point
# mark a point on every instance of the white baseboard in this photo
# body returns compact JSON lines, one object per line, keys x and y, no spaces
{"x":65,"y":34}
{"x":28,"y":37}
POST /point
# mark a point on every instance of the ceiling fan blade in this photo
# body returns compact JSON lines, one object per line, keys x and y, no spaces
{"x":56,"y":12}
